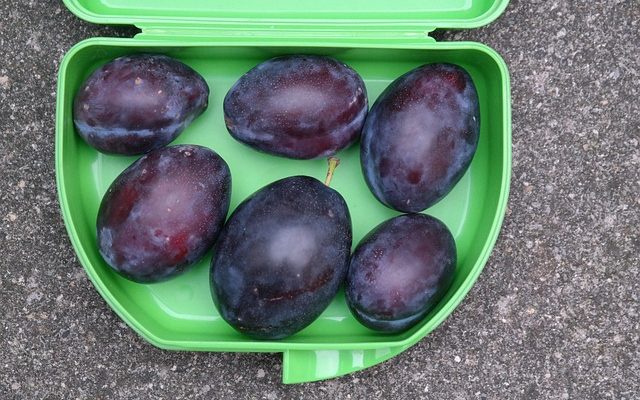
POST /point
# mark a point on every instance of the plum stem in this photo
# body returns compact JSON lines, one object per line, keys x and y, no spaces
{"x":333,"y":164}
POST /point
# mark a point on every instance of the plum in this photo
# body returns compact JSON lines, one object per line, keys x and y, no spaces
{"x":297,"y":106}
{"x":420,"y":137}
{"x":281,"y":257}
{"x":164,"y":212}
{"x":400,"y":271}
{"x":138,"y":103}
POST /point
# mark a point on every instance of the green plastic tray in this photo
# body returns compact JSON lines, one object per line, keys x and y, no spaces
{"x":179,"y":314}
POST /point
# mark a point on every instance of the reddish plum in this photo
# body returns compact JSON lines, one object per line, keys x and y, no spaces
{"x":297,"y":106}
{"x":138,"y":103}
{"x":281,"y":258}
{"x":420,"y":137}
{"x":164,"y":212}
{"x":400,"y":271}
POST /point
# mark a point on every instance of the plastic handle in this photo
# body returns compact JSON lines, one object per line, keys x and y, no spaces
{"x":300,"y":366}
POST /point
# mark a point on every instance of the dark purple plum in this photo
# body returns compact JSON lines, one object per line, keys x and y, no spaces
{"x":299,"y":107}
{"x":420,"y":137}
{"x":281,"y":258}
{"x":164,"y":212}
{"x":138,"y":103}
{"x":400,"y":271}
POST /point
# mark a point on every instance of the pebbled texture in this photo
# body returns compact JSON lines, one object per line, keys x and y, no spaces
{"x":554,"y":314}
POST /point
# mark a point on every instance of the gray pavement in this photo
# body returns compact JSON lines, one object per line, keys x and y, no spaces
{"x":554,"y":315}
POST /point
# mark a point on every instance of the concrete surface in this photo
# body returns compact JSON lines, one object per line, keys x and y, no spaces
{"x":553,"y":316}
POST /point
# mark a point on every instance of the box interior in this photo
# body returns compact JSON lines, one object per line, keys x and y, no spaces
{"x":181,"y":310}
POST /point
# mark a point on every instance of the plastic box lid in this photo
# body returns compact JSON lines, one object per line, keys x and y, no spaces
{"x":256,"y":17}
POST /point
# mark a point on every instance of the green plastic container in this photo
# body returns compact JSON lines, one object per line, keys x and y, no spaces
{"x":222,"y":40}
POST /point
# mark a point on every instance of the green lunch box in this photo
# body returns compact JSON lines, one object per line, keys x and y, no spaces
{"x":222,"y":40}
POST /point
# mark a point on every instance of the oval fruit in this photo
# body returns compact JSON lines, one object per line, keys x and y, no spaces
{"x":138,"y":103}
{"x":281,"y":258}
{"x":299,"y":107}
{"x":420,"y":137}
{"x":164,"y":212}
{"x":400,"y":271}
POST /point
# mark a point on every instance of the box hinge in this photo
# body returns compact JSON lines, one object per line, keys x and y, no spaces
{"x":324,"y":34}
